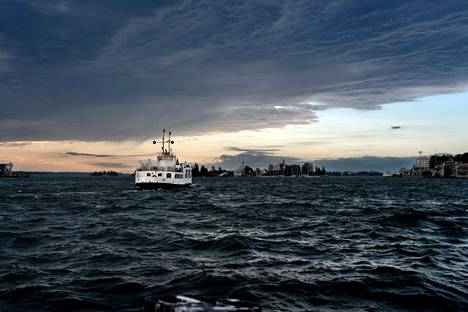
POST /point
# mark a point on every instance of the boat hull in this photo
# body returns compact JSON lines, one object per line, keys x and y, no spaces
{"x":155,"y":186}
{"x":161,"y":179}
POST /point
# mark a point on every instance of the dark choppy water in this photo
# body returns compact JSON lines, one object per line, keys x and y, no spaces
{"x":324,"y":244}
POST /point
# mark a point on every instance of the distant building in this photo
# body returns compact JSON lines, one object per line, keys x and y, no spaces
{"x":422,"y":163}
{"x":461,"y":171}
{"x":240,"y":172}
{"x":439,"y":166}
{"x":6,"y":170}
{"x":405,"y":172}
{"x":448,"y":169}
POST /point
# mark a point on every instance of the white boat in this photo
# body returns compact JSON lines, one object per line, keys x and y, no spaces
{"x":388,"y":174}
{"x":165,"y":171}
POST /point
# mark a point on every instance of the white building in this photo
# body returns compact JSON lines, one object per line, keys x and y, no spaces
{"x":461,"y":171}
{"x":422,"y":163}
{"x":240,"y":172}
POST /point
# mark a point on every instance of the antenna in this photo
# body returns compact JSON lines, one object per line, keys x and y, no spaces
{"x":164,"y":131}
{"x":164,"y":141}
{"x":169,"y":141}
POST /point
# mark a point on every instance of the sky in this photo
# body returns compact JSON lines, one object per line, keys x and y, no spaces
{"x":353,"y":85}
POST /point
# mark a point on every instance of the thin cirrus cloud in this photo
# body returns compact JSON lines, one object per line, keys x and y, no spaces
{"x":77,"y":70}
{"x":79,"y":154}
{"x":254,"y":150}
{"x":14,"y":144}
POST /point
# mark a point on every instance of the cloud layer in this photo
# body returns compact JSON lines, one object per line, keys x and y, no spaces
{"x":261,"y":159}
{"x":125,"y":69}
{"x":79,"y":154}
{"x":367,"y":163}
{"x":254,"y":159}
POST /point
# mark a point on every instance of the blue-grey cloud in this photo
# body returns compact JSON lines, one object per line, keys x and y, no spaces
{"x":254,"y":160}
{"x":89,"y":70}
{"x":364,"y":163}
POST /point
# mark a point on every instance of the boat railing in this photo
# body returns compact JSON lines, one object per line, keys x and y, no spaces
{"x":149,"y":167}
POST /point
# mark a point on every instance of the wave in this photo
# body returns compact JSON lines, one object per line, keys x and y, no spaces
{"x":286,"y":244}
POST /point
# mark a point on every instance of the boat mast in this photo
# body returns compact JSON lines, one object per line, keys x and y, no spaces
{"x":164,"y":131}
{"x":164,"y":141}
{"x":169,"y":142}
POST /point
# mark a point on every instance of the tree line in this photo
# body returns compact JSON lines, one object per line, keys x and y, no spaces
{"x":437,"y":160}
{"x":282,"y":169}
{"x":203,"y":171}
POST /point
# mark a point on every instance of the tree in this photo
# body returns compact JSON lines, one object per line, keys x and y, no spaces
{"x":307,"y":168}
{"x":248,"y":171}
{"x":463,"y":158}
{"x":203,"y":171}
{"x":195,"y":170}
{"x":317,"y":171}
{"x":437,"y":160}
{"x":320,"y":171}
{"x":324,"y":172}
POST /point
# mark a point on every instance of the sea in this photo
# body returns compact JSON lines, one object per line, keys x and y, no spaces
{"x":82,"y":243}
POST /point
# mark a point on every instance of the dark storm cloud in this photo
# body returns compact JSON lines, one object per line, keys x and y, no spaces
{"x":91,"y":70}
{"x":88,"y":155}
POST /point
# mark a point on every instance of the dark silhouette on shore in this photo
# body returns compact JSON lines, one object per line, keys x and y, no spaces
{"x":104,"y":173}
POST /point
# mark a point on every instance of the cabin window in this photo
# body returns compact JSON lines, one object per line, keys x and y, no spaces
{"x":160,"y":174}
{"x":168,"y":175}
{"x":179,"y":176}
{"x":148,"y":174}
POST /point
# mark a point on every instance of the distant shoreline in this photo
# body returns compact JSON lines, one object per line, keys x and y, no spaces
{"x":22,"y":174}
